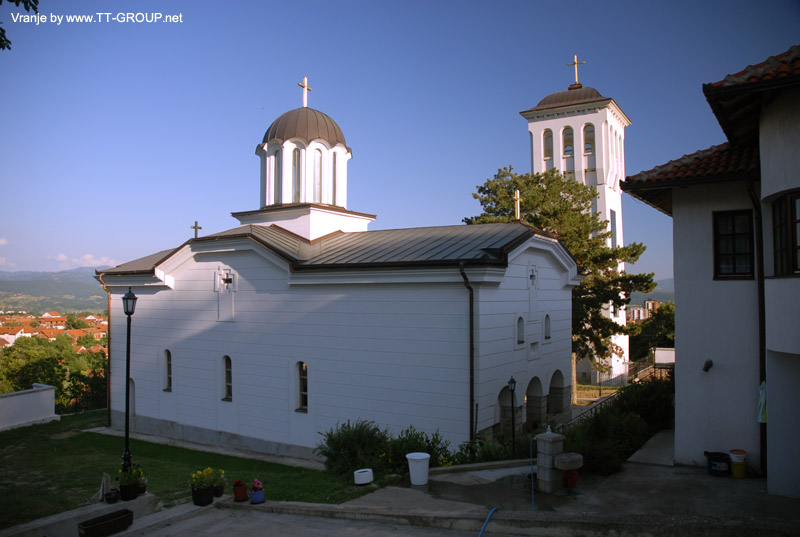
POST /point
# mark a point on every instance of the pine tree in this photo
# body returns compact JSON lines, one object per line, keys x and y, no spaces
{"x":564,"y":207}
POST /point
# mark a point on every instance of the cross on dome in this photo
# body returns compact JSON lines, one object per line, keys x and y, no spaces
{"x":576,"y":63}
{"x":306,"y":89}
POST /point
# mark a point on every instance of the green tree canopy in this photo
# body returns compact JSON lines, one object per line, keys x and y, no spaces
{"x":657,"y":331}
{"x":5,"y":43}
{"x":564,"y":207}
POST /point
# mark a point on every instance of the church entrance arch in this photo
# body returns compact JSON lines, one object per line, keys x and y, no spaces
{"x":506,"y":406}
{"x":535,"y":405}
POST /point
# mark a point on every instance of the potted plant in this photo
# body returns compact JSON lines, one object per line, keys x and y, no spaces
{"x":128,"y":480}
{"x":142,"y":479}
{"x":257,"y":491}
{"x":202,"y":482}
{"x":219,"y":482}
{"x":239,"y":491}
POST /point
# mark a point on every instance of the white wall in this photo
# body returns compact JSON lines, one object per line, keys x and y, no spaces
{"x":717,"y":320}
{"x":783,"y":424}
{"x":27,"y":407}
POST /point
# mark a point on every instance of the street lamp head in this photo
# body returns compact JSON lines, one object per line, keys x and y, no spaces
{"x":129,"y":302}
{"x":512,"y":384}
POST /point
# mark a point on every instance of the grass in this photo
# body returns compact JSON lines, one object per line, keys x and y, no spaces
{"x":56,"y":467}
{"x":593,"y":392}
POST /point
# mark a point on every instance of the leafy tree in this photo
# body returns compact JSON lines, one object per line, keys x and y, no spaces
{"x":87,"y":341}
{"x":74,"y":323}
{"x":564,"y":207}
{"x":657,"y":331}
{"x":5,"y":43}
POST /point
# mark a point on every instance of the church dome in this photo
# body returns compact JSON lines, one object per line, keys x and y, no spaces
{"x":306,"y":124}
{"x":576,"y":94}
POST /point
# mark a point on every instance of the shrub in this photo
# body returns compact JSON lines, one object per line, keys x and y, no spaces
{"x":481,"y":450}
{"x":411,"y":440}
{"x":350,"y":446}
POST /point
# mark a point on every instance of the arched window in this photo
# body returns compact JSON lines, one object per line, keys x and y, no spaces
{"x":588,"y":139}
{"x":569,"y":142}
{"x":520,"y":331}
{"x":296,"y":176}
{"x":547,"y":326}
{"x":333,"y":181}
{"x":302,"y":377}
{"x":167,"y":370}
{"x":317,"y":176}
{"x":548,"y":144}
{"x":277,"y":176}
{"x":228,"y":385}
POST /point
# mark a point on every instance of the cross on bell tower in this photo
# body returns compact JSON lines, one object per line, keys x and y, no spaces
{"x":576,"y":63}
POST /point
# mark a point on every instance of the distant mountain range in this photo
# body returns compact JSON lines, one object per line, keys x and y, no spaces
{"x":665,"y":292}
{"x":66,"y":291}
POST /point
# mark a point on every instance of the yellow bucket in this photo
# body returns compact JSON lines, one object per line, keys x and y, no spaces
{"x":738,"y":462}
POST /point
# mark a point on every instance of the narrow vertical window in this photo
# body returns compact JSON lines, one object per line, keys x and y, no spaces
{"x":547,"y":326}
{"x":786,"y":234}
{"x":317,"y":176}
{"x":228,"y":388}
{"x":168,"y":371}
{"x":613,"y":221}
{"x":588,"y":139}
{"x":277,"y":178}
{"x":520,"y":331}
{"x":569,"y":142}
{"x":333,"y":180}
{"x":302,"y":377}
{"x":733,"y":244}
{"x":296,"y":176}
{"x":548,"y":144}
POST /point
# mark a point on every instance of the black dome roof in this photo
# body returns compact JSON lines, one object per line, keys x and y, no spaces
{"x":307,"y":124}
{"x":576,"y":94}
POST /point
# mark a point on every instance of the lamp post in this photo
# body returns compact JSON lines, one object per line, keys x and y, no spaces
{"x":512,"y":386}
{"x":128,"y":306}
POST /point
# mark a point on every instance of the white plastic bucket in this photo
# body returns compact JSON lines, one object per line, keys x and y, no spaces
{"x":363,"y":476}
{"x":418,"y":467}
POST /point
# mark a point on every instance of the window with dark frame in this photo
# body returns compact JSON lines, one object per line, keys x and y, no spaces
{"x":228,"y":396}
{"x":168,"y":360}
{"x":786,"y":234}
{"x":733,"y":245}
{"x":302,"y":375}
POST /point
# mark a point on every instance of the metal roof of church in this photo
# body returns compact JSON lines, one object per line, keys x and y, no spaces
{"x":480,"y":244}
{"x":306,"y":124}
{"x":576,"y":94}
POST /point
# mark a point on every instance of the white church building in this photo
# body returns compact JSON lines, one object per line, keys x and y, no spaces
{"x":582,"y":135}
{"x":268,"y":334}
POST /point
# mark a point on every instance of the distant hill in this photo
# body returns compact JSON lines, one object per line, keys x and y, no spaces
{"x":65,"y":291}
{"x":664,"y":292}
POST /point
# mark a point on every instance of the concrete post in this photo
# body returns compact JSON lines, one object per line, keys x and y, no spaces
{"x":548,"y":445}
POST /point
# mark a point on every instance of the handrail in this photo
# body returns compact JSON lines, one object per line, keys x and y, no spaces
{"x":565,"y":427}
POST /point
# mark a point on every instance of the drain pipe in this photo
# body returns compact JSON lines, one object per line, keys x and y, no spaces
{"x":762,"y":321}
{"x":472,"y":417}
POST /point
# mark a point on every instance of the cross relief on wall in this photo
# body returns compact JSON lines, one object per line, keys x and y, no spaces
{"x":225,"y":285}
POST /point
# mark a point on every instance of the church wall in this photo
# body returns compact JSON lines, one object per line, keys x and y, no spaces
{"x":499,"y":354}
{"x":395,"y":354}
{"x":714,"y":410}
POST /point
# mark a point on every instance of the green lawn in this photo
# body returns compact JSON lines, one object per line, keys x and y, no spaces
{"x":55,"y":467}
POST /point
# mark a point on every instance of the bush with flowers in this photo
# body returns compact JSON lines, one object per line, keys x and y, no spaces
{"x":134,"y":475}
{"x":256,"y":486}
{"x":203,"y":478}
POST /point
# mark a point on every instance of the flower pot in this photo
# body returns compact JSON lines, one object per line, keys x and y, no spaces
{"x":257,"y":496}
{"x":129,"y":492}
{"x":202,"y":496}
{"x":219,"y":490}
{"x":142,"y":489}
{"x":111,"y":496}
{"x":240,"y":493}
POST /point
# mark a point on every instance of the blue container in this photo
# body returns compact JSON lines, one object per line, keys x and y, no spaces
{"x":719,"y":464}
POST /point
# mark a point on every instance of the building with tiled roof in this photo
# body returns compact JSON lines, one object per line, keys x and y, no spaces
{"x":736,"y":227}
{"x":265,"y":335}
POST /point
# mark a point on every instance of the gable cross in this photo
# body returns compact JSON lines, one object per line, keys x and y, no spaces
{"x":576,"y":63}
{"x":306,"y":89}
{"x":196,"y":228}
{"x":517,"y":200}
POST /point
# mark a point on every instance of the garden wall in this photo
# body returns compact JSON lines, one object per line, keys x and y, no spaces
{"x":28,"y":407}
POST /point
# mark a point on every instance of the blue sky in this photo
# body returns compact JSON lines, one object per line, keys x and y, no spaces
{"x":118,"y":136}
